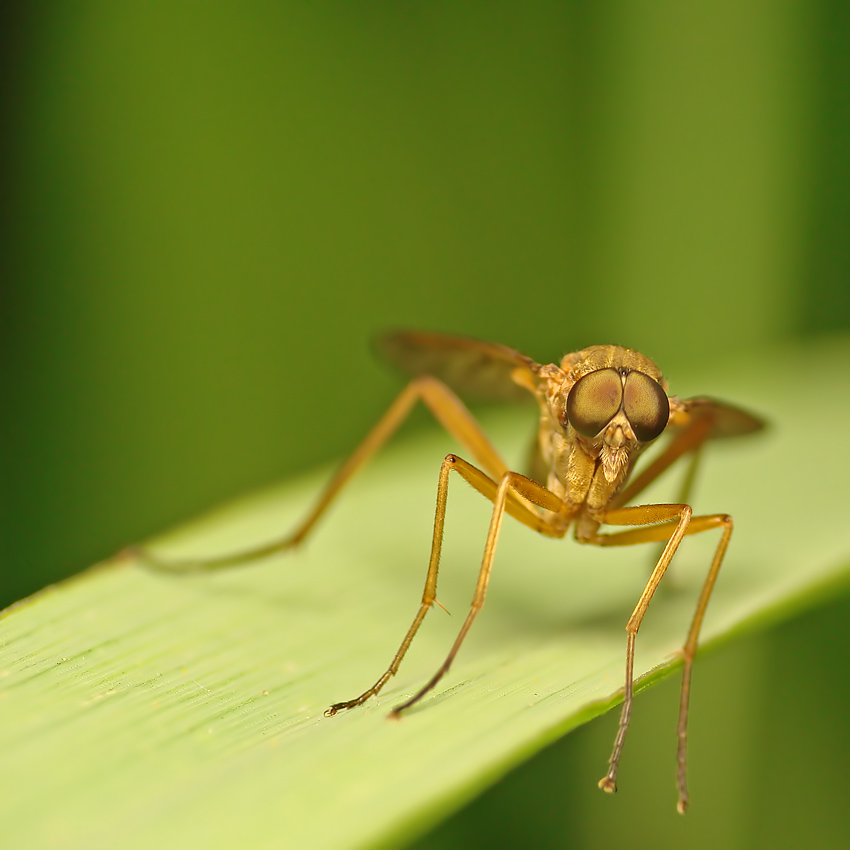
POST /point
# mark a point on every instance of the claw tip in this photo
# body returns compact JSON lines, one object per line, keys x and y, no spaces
{"x":608,"y":785}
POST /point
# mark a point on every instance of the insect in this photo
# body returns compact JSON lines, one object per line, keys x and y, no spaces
{"x":599,"y":409}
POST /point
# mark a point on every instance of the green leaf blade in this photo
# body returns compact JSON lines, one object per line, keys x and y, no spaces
{"x":190,"y":709}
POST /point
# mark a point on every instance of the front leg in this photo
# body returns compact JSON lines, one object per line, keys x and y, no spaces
{"x":668,"y":523}
{"x":513,"y":493}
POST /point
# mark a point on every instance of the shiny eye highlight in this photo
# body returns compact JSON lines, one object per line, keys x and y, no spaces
{"x":594,"y":401}
{"x":646,"y":406}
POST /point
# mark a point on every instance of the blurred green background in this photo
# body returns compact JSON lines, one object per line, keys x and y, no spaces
{"x":210,"y":208}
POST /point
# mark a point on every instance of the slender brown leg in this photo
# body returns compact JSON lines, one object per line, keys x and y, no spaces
{"x":689,"y":652}
{"x":447,"y":408}
{"x":666,"y":525}
{"x":511,"y":483}
{"x":428,"y":595}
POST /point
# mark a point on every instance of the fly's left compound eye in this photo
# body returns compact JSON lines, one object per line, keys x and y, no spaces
{"x":594,"y":401}
{"x":646,"y":406}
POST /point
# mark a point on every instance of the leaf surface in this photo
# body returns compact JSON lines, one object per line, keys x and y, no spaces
{"x":190,"y":710}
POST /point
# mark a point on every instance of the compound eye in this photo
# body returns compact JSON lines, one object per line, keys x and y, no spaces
{"x":646,"y":406}
{"x":594,"y":401}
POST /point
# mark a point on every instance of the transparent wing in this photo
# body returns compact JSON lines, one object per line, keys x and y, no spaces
{"x":485,"y":371}
{"x":726,"y":419}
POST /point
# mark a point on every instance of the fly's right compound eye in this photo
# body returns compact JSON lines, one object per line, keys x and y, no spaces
{"x":646,"y":405}
{"x":594,"y":401}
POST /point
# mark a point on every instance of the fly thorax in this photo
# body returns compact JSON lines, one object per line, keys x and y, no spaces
{"x":559,"y":461}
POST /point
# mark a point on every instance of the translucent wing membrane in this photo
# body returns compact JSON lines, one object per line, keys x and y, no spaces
{"x":476,"y":370}
{"x":727,"y":420}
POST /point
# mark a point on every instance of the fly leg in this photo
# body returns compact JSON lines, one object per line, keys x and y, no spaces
{"x":668,"y":523}
{"x":515,"y":494}
{"x":446,"y":407}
